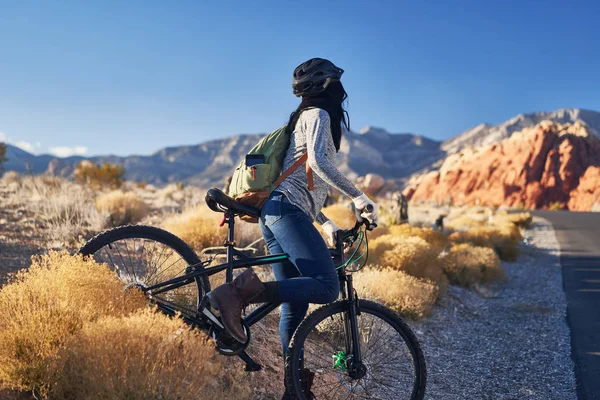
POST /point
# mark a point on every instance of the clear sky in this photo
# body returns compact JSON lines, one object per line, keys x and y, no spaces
{"x":130,"y":77}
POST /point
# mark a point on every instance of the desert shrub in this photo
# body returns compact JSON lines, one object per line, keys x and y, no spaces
{"x":412,"y":255}
{"x":46,"y":304}
{"x":523,"y":219}
{"x":405,"y":294}
{"x":435,"y":238}
{"x":97,"y":176}
{"x":11,"y":177}
{"x":66,"y":210}
{"x":503,"y":239}
{"x":198,"y":227}
{"x":467,"y":265}
{"x":143,"y":356}
{"x":122,"y":207}
{"x":342,"y":215}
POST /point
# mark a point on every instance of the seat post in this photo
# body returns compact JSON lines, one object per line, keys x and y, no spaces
{"x":230,"y":245}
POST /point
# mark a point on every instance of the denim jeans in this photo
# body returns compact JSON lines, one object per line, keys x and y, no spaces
{"x":310,"y":275}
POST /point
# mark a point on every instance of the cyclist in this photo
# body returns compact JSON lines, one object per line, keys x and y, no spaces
{"x":287,"y":217}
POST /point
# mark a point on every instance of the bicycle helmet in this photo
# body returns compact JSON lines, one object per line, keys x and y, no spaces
{"x":313,"y":76}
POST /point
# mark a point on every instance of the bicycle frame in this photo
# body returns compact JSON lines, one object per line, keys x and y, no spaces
{"x":238,"y":260}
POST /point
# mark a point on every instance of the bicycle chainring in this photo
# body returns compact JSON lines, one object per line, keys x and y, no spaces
{"x":227,"y":345}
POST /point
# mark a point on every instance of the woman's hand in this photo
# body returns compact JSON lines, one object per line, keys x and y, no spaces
{"x":330,"y":229}
{"x":360,"y":204}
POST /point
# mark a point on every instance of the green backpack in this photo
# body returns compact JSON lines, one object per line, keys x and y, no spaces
{"x":259,"y":173}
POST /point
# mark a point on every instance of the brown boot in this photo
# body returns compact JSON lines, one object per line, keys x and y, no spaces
{"x":231,"y":298}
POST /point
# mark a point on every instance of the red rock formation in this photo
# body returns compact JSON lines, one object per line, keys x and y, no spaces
{"x":587,"y":194}
{"x":539,"y":167}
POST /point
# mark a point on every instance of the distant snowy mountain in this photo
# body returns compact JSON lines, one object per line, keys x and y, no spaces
{"x":484,"y":134}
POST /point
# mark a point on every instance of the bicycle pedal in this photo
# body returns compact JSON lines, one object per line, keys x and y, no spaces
{"x":252,"y":368}
{"x":251,"y":365}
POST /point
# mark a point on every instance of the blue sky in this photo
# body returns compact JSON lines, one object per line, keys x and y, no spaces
{"x":128,"y":77}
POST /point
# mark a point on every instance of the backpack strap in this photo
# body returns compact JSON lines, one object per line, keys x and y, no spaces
{"x":295,"y":166}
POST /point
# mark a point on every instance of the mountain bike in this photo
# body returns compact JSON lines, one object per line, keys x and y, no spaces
{"x":356,"y":348}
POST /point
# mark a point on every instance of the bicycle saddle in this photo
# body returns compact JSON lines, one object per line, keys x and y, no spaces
{"x":220,"y":202}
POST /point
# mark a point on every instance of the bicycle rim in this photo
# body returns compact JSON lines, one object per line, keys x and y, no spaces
{"x":392,"y":367}
{"x":143,"y":256}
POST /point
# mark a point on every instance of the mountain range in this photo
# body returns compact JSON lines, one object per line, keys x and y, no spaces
{"x":394,"y":156}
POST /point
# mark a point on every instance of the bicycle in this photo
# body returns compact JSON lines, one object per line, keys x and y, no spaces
{"x":356,"y":348}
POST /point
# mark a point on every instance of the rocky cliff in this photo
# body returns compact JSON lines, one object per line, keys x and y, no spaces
{"x":549,"y":165}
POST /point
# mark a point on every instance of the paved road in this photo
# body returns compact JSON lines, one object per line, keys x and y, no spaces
{"x":579,"y":237}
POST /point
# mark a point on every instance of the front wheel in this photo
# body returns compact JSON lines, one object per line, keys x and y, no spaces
{"x":392,"y":367}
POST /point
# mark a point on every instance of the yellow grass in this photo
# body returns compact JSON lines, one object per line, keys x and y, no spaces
{"x":122,"y":207}
{"x":405,"y":294}
{"x":523,"y":219}
{"x":412,"y":255}
{"x":341,"y":215}
{"x":467,"y":265}
{"x":46,"y":304}
{"x":143,"y":356}
{"x":503,"y":239}
{"x":198,"y":227}
{"x":435,"y":238}
{"x":69,"y":331}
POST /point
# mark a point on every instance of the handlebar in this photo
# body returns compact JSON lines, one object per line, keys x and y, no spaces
{"x":350,"y":235}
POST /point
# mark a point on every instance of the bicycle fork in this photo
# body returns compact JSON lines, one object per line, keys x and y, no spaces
{"x":356,"y":369}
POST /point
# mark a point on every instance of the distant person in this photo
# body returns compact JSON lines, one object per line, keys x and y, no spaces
{"x":287,"y":217}
{"x":439,"y":223}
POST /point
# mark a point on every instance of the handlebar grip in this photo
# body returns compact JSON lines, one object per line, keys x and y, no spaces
{"x":369,"y":208}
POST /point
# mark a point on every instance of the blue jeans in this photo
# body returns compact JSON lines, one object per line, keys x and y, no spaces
{"x":310,"y":275}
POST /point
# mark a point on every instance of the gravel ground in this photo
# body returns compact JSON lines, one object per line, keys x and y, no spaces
{"x":509,"y":341}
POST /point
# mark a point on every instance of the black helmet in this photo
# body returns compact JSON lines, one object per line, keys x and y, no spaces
{"x":313,"y":76}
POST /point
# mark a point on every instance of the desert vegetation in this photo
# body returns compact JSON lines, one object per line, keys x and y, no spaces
{"x":69,"y":330}
{"x":69,"y":322}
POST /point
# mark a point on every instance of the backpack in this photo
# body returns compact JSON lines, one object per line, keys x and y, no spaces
{"x":259,"y":173}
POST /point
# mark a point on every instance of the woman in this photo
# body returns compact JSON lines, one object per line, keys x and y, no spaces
{"x":287,"y":217}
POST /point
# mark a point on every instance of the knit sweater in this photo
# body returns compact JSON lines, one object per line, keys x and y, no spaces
{"x":312,"y":135}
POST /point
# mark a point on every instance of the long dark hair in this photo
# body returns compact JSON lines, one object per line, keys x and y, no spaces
{"x":332,"y":101}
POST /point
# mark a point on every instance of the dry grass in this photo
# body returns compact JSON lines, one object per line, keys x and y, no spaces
{"x":122,"y":207}
{"x":503,"y":239}
{"x":66,"y":210}
{"x":45,"y":305}
{"x":405,"y":294}
{"x":435,"y":238}
{"x":467,"y":265}
{"x":11,"y":177}
{"x":143,"y":356}
{"x":412,"y":255}
{"x":199,"y":227}
{"x":69,"y":331}
{"x":522,"y":220}
{"x":341,"y":215}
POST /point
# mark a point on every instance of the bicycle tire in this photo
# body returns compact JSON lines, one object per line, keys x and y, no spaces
{"x":149,"y":233}
{"x":307,"y":326}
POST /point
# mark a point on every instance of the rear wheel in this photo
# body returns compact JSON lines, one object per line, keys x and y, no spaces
{"x":392,"y":367}
{"x":143,"y":256}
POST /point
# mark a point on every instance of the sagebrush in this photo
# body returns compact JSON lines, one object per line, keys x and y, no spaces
{"x":46,"y":304}
{"x":121,"y":207}
{"x":143,"y":356}
{"x":411,"y":255}
{"x":467,"y":265}
{"x":405,"y":294}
